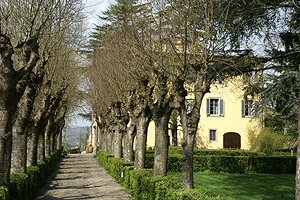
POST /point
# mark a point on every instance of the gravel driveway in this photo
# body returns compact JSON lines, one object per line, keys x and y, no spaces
{"x":80,"y":177}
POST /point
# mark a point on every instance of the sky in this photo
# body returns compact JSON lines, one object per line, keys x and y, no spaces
{"x":93,"y":8}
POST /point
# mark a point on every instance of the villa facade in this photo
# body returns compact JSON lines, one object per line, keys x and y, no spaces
{"x":226,"y":117}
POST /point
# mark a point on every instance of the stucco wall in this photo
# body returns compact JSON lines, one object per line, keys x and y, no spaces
{"x":232,"y":120}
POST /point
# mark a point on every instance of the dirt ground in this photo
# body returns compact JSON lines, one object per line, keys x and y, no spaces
{"x":80,"y":177}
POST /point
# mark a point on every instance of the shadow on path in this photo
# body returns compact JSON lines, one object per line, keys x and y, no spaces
{"x":80,"y":177}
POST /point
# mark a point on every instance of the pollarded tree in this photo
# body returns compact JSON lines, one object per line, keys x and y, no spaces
{"x":201,"y":46}
{"x":22,"y":27}
{"x":67,"y":34}
{"x":122,"y":74}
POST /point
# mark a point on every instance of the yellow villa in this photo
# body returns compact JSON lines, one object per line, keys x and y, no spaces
{"x":226,"y":117}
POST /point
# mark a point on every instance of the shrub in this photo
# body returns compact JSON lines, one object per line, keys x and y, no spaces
{"x":155,"y":187}
{"x":3,"y":192}
{"x":175,"y":163}
{"x":116,"y":168}
{"x":23,"y":186}
{"x":136,"y":177}
{"x":127,"y":173}
{"x":266,"y":141}
{"x":43,"y":171}
{"x":19,"y":186}
{"x":34,"y":178}
{"x":162,"y":187}
{"x":103,"y":158}
{"x":230,"y":164}
{"x":271,"y":165}
{"x":224,"y":152}
{"x":194,"y":194}
{"x":234,"y":164}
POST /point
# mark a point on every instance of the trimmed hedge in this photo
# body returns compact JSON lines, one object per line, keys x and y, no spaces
{"x":19,"y":184}
{"x":209,"y":152}
{"x":233,"y":164}
{"x":142,"y":185}
{"x":194,"y":194}
{"x":23,"y":186}
{"x":3,"y":191}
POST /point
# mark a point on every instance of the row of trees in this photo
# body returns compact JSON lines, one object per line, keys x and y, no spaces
{"x":146,"y":54}
{"x":39,"y":74}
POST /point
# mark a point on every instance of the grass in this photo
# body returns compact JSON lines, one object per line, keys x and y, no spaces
{"x":245,"y":186}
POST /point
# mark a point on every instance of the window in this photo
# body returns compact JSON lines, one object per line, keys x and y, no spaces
{"x":212,"y":135}
{"x":248,"y":108}
{"x":215,"y":107}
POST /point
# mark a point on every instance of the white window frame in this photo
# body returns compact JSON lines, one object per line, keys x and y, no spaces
{"x":216,"y":109}
{"x":212,"y":139}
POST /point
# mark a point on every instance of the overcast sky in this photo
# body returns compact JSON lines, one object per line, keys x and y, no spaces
{"x":93,"y":9}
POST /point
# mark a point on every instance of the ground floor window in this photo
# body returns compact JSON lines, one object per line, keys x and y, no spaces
{"x":212,"y":135}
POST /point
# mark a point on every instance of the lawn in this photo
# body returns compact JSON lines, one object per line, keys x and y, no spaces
{"x":246,"y":186}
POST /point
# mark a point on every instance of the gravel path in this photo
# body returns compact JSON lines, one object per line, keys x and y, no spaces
{"x":80,"y":177}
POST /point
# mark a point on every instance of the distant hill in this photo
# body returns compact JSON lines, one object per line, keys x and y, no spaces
{"x":73,"y":135}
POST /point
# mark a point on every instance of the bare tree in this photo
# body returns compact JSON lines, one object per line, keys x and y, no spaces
{"x":24,"y":29}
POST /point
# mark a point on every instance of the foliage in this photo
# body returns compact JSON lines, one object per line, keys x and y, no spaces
{"x":19,"y":186}
{"x":267,"y":141}
{"x":141,"y":184}
{"x":127,"y":179}
{"x":193,"y":194}
{"x":34,"y":178}
{"x":23,"y":186}
{"x":136,"y":177}
{"x":206,"y":152}
{"x":3,"y":192}
{"x":102,"y":158}
{"x":281,"y":124}
{"x":280,"y":164}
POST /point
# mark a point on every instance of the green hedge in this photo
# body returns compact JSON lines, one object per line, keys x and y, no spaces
{"x":209,"y":152}
{"x":19,"y":186}
{"x":23,"y":186}
{"x":194,"y":194}
{"x":233,"y":164}
{"x":3,"y":191}
{"x":142,"y":185}
{"x":102,"y":158}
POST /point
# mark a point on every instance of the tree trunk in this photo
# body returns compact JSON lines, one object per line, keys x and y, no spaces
{"x":59,"y":139}
{"x":141,"y":140}
{"x":117,"y":142}
{"x":19,"y":151}
{"x":34,"y":143}
{"x":5,"y":146}
{"x":188,"y":149}
{"x":104,"y":139}
{"x":174,"y":134}
{"x":160,"y":167}
{"x":297,"y":194}
{"x":41,"y":147}
{"x":128,"y":143}
{"x":189,"y":124}
{"x":110,"y":142}
{"x":48,"y":135}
